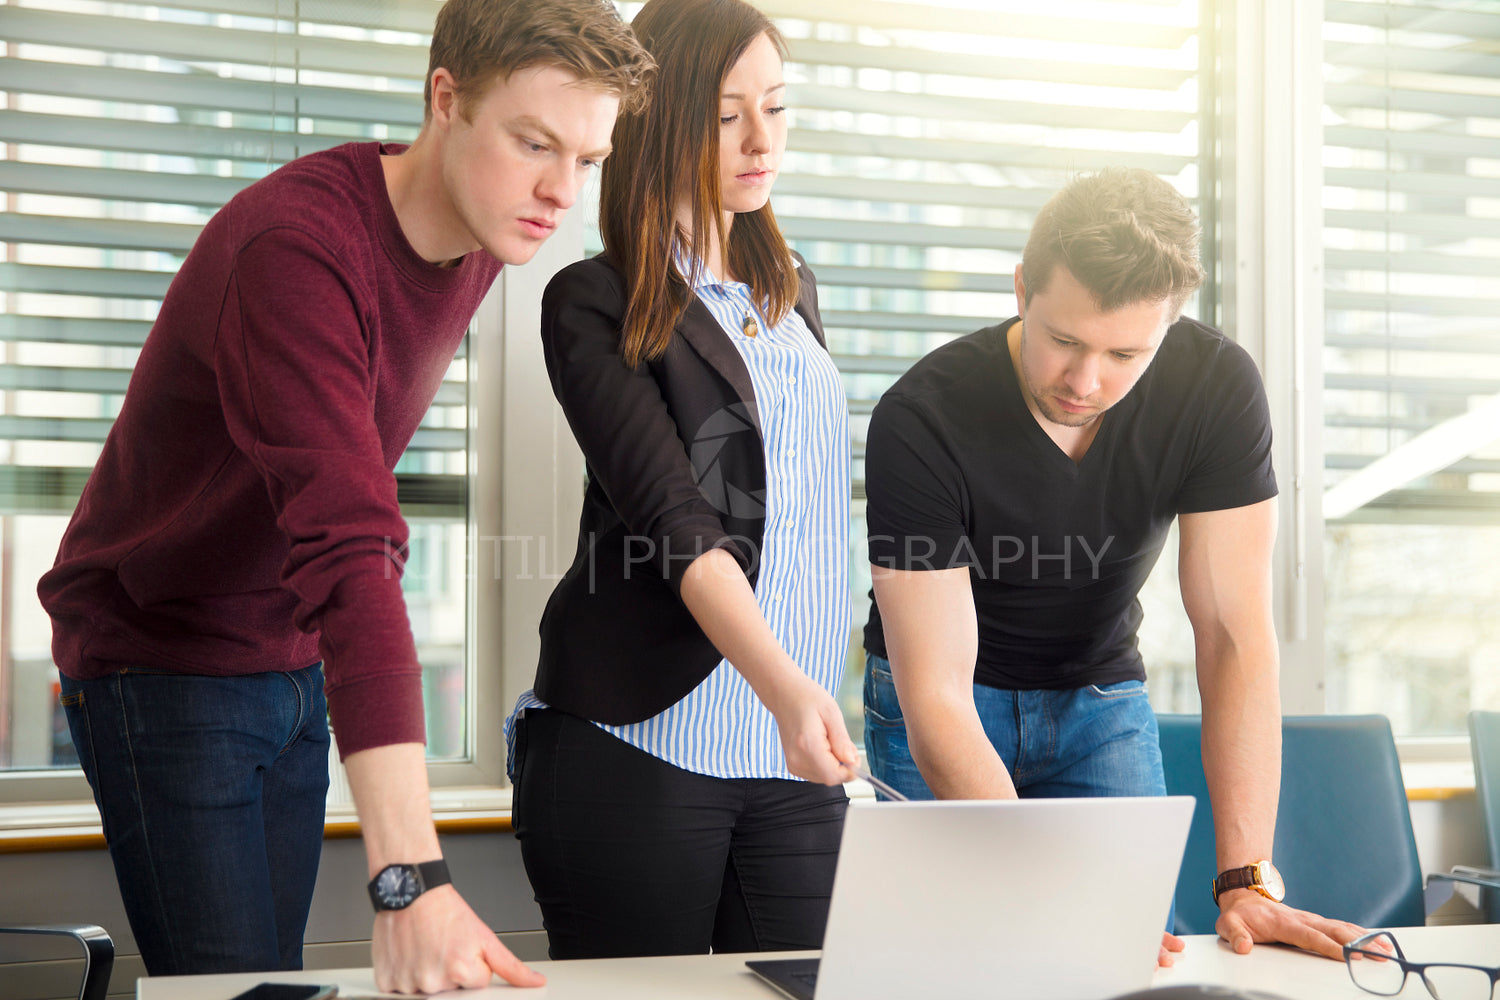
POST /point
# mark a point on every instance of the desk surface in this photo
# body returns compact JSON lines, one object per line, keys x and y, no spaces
{"x":1289,"y":973}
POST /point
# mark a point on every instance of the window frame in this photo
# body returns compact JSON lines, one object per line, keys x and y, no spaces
{"x":1271,"y":74}
{"x":1413,"y":748}
{"x":525,"y":494}
{"x":527,"y":476}
{"x":525,"y":483}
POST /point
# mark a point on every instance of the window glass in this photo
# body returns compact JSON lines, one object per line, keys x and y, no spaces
{"x":925,"y":136}
{"x":123,"y":127}
{"x":1411,"y":360}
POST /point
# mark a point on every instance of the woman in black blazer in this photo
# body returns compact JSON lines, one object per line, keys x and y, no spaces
{"x":678,"y":766}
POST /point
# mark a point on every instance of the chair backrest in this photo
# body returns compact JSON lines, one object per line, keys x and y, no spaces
{"x":98,"y":953}
{"x":1484,"y":744}
{"x":1344,"y":840}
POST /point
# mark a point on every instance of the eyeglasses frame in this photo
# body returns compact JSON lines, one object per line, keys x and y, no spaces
{"x":1407,"y":967}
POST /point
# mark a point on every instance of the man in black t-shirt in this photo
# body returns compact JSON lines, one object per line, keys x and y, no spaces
{"x":1021,"y":482}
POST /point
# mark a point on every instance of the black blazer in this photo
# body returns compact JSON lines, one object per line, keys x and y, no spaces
{"x":676,"y":466}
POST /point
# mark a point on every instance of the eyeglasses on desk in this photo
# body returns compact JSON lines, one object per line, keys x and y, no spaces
{"x":1377,"y":965}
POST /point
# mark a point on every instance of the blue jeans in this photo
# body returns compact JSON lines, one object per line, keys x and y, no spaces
{"x":211,"y":790}
{"x":1070,"y":743}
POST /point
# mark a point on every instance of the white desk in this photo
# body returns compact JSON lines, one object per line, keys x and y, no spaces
{"x":1283,"y":971}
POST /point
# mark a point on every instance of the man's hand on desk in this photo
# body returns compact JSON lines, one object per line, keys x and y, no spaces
{"x":1171,"y":944}
{"x":439,"y":943}
{"x":1246,"y":918}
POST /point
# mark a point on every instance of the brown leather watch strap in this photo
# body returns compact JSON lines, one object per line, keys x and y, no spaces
{"x":1234,"y":878}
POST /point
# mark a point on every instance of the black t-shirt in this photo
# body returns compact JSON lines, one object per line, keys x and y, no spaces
{"x":959,"y":473}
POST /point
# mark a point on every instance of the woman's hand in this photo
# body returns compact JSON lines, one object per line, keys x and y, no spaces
{"x":813,"y":736}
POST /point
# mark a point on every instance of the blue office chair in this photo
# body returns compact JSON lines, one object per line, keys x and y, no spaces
{"x":1484,"y":744}
{"x":98,"y":953}
{"x":1344,"y":840}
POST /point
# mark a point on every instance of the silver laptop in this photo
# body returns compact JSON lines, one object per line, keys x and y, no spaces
{"x":1039,"y":899}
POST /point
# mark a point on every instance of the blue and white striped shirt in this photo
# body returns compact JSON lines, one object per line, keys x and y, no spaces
{"x":721,"y":728}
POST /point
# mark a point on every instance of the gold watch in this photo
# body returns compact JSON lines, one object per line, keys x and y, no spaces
{"x":1261,"y":876}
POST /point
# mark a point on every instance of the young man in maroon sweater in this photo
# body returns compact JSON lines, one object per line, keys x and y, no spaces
{"x":240,"y":540}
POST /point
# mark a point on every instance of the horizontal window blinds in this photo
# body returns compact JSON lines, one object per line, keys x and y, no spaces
{"x":1412,"y":249}
{"x":123,"y":127}
{"x":925,"y":136}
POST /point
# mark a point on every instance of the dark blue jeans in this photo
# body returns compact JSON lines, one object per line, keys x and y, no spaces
{"x":211,"y":790}
{"x":1071,"y":743}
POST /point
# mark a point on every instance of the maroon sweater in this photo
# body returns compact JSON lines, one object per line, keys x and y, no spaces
{"x":242,"y":516}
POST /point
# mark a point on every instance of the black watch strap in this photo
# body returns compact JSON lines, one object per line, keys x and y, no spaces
{"x":433,"y":874}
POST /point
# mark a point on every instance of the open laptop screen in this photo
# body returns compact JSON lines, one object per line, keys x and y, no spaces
{"x":1041,"y":899}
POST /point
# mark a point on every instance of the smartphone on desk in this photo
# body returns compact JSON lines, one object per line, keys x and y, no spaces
{"x":288,"y":991}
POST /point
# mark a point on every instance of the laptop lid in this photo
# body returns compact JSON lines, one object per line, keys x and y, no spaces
{"x":1036,"y":899}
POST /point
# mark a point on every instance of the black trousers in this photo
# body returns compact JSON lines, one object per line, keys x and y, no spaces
{"x":629,"y":855}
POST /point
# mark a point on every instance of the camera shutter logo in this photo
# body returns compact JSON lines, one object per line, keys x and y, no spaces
{"x":706,"y":453}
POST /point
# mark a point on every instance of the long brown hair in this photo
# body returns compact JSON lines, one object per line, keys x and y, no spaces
{"x":671,"y":146}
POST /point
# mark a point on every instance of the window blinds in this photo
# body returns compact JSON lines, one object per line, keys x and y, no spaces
{"x":123,"y":128}
{"x":925,"y":137}
{"x":1412,"y":248}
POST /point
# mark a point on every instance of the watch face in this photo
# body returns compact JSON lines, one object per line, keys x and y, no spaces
{"x":396,"y":885}
{"x":1270,"y":879}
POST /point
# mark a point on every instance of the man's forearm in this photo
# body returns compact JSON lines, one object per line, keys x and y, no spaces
{"x":1225,"y":572}
{"x":395,"y":814}
{"x":932,"y":639}
{"x":1242,"y":749}
{"x":953,"y":753}
{"x":436,"y":943}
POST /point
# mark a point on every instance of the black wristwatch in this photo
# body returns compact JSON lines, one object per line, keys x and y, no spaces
{"x":397,"y":886}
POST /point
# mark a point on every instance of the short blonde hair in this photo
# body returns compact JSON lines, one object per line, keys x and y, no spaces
{"x":1127,"y":236}
{"x":480,"y":41}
